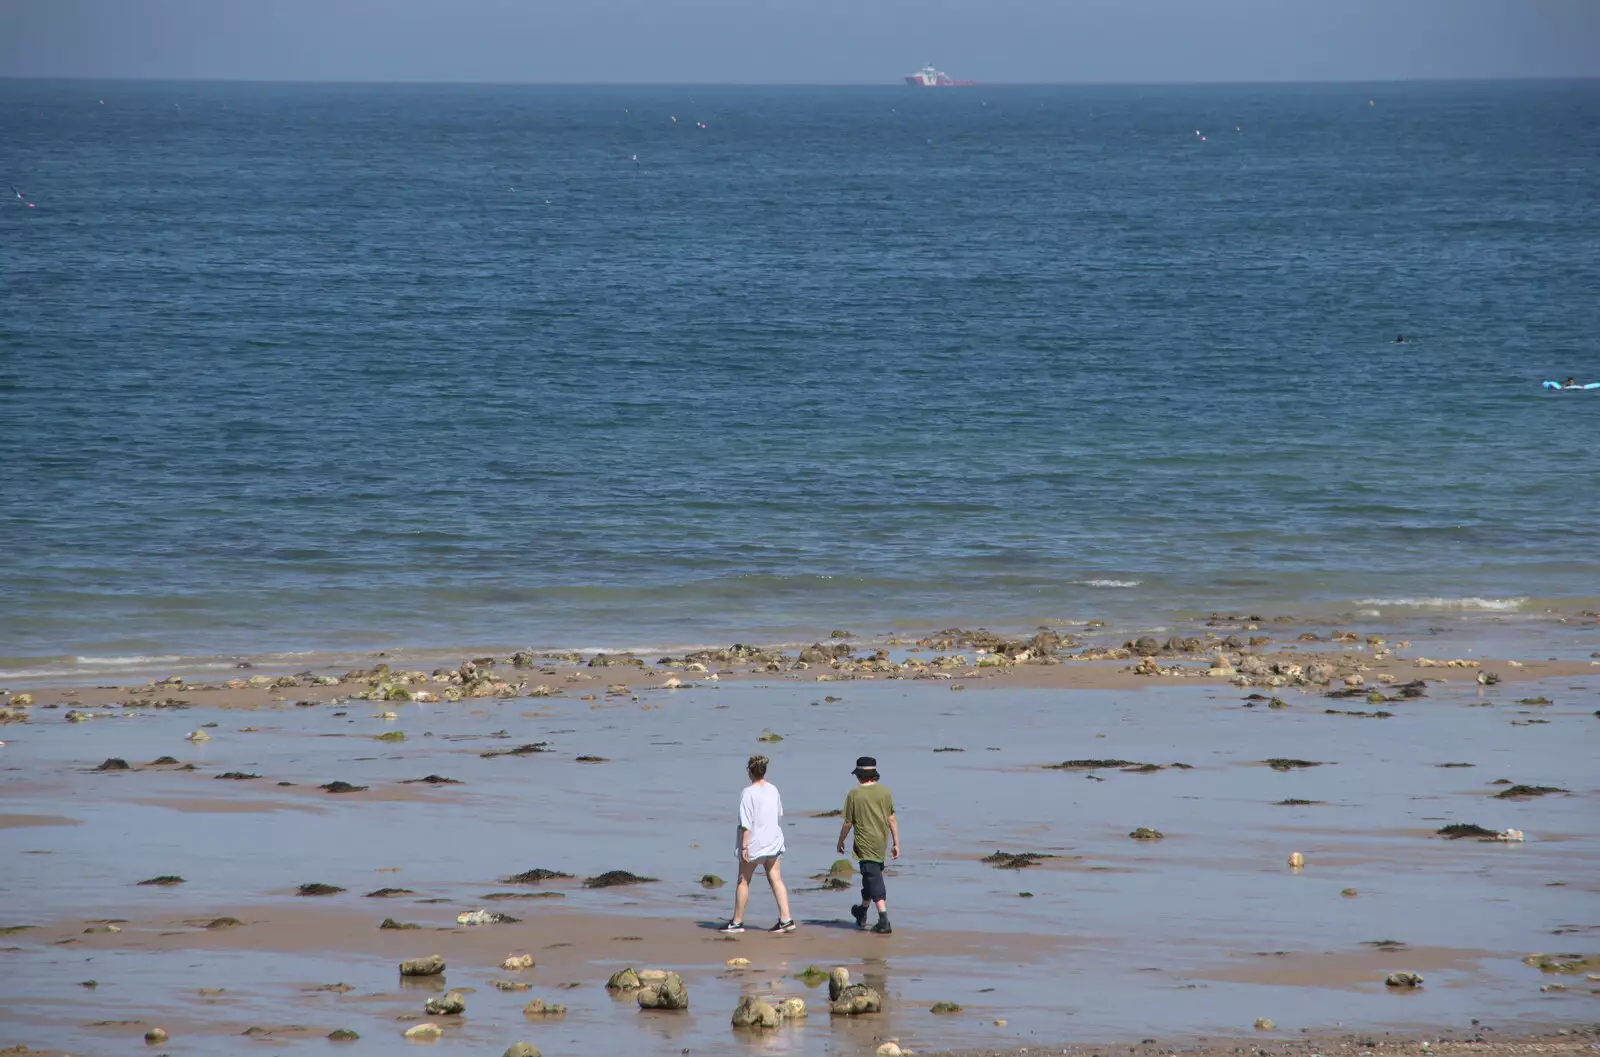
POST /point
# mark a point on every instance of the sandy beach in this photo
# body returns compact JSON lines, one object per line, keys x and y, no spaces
{"x":1094,"y":940}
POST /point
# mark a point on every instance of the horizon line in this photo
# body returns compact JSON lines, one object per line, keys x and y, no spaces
{"x":441,"y":82}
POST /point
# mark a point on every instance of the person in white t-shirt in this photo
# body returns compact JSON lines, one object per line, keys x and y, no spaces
{"x":760,"y":843}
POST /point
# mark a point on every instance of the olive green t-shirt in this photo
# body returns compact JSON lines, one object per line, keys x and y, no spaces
{"x":867,"y":808}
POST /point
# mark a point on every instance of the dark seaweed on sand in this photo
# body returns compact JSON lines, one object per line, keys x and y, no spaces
{"x":1005,"y":860}
{"x":1090,"y":765}
{"x":1518,"y":791}
{"x":1457,"y":830}
{"x":391,"y":923}
{"x":1292,"y":802}
{"x":592,"y":759}
{"x":385,"y":893}
{"x":431,"y":779}
{"x":114,"y":763}
{"x":237,"y":776}
{"x":528,"y":877}
{"x":316,"y":888}
{"x":949,"y":748}
{"x":835,"y":813}
{"x":1279,"y":763}
{"x":164,"y":879}
{"x":521,"y":750}
{"x":1455,"y":765}
{"x":613,"y":878}
{"x":160,"y":760}
{"x":1143,"y":768}
{"x":343,"y":787}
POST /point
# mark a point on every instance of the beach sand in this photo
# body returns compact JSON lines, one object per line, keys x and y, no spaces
{"x":1103,"y":942}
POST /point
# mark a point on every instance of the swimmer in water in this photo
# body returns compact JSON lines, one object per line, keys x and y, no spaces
{"x":1399,"y":339}
{"x":1570,"y":383}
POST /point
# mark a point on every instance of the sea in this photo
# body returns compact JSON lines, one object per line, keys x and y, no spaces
{"x":298,"y":368}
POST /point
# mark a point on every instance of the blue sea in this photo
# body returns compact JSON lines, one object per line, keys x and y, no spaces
{"x":317,"y":367}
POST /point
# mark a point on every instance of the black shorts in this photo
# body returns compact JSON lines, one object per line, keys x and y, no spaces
{"x":872,"y":887}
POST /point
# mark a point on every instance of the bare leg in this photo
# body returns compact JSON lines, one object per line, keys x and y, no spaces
{"x":775,"y":879}
{"x":741,"y":893}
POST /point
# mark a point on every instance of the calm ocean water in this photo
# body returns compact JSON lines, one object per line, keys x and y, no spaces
{"x":317,"y":367}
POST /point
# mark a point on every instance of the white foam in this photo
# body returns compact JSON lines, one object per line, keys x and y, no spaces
{"x":1107,"y":583}
{"x":124,"y":661}
{"x":1494,"y":604}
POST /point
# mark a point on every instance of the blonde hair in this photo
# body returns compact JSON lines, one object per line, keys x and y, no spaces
{"x":756,"y":768}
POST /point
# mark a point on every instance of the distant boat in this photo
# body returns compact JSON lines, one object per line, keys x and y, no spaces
{"x":928,"y":77}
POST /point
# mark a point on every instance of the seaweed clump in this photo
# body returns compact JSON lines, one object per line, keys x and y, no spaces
{"x":613,"y":878}
{"x":1006,"y":860}
{"x":1279,"y":763}
{"x":529,"y":877}
{"x":1090,"y":765}
{"x":1518,"y":791}
{"x":1457,"y":830}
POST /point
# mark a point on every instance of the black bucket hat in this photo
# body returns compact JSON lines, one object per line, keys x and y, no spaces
{"x":864,"y":764}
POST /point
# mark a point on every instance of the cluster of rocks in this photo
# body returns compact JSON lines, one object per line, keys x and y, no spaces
{"x":753,"y":1012}
{"x":651,"y":988}
{"x":846,"y":999}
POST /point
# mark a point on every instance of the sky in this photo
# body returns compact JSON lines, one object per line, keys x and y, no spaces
{"x":800,"y":41}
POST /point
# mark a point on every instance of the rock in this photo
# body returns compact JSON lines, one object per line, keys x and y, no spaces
{"x":838,"y":980}
{"x":101,"y":929}
{"x":536,"y":875}
{"x":21,"y":700}
{"x":521,"y":1049}
{"x":856,"y":1000}
{"x":711,"y":880}
{"x":343,"y":1035}
{"x":517,"y":962}
{"x":945,"y":1007}
{"x":540,"y":1008}
{"x":1146,"y":646}
{"x":624,"y":980}
{"x":432,"y":965}
{"x":842,"y":868}
{"x":793,"y":1009}
{"x":1403,"y":979}
{"x":1348,"y":892}
{"x":446,"y":1005}
{"x":752,"y":1012}
{"x":668,"y":994}
{"x":511,"y":985}
{"x":1296,"y":861}
{"x":391,"y":923}
{"x":889,"y":1049}
{"x":1146,"y":833}
{"x":426,"y":1030}
{"x":485,"y":917}
{"x":1265,"y":1024}
{"x":737,"y":963}
{"x":114,"y":763}
{"x":197,"y":735}
{"x":155,"y":1035}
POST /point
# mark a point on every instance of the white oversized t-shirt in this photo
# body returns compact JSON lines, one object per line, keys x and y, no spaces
{"x":760,"y":808}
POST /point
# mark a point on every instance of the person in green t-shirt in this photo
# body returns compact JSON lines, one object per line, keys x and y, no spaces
{"x":869,"y":810}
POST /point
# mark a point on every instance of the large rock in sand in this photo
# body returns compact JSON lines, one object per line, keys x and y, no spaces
{"x":752,"y":1012}
{"x":447,"y":1005}
{"x":432,"y":965}
{"x":669,"y":993}
{"x":521,"y":1049}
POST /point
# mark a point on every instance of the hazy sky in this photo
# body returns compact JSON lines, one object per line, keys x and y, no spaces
{"x":799,"y":41}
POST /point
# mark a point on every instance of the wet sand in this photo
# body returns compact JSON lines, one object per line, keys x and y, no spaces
{"x":1193,"y":935}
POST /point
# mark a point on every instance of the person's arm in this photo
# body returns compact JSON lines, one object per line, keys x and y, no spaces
{"x":844,"y":831}
{"x":894,"y":837}
{"x":746,"y":820}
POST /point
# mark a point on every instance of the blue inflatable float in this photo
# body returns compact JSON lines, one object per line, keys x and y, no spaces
{"x":1569,"y":388}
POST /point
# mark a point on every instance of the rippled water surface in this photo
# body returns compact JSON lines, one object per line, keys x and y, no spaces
{"x":293,"y":367}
